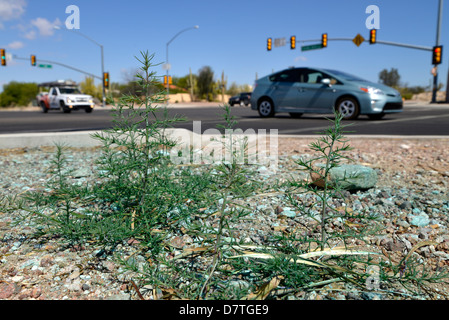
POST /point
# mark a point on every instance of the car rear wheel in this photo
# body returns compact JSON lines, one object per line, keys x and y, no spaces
{"x":266,"y":108}
{"x":44,"y":107}
{"x":349,"y":108}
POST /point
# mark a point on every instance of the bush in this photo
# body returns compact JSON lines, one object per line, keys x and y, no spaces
{"x":18,"y":94}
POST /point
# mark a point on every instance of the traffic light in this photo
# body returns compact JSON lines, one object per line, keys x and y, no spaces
{"x":169,"y":80}
{"x":372,"y":36}
{"x":269,"y":43}
{"x":437,"y":54}
{"x":3,"y":56}
{"x":292,"y":42}
{"x":324,"y":40}
{"x":106,"y":80}
{"x":33,"y":60}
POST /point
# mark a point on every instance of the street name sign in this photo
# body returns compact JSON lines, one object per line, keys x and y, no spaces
{"x":312,"y":47}
{"x":279,"y":42}
{"x":48,"y":66}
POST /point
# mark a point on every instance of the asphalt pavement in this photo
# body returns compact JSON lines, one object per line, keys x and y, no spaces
{"x":31,"y":128}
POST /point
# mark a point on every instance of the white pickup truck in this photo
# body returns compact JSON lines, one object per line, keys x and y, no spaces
{"x":65,"y":96}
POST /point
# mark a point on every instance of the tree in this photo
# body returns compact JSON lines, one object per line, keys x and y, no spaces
{"x":205,"y":83}
{"x":18,"y":94}
{"x":88,"y":87}
{"x":390,"y":78}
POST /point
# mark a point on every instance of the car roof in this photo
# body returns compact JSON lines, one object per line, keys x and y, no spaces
{"x":59,"y":83}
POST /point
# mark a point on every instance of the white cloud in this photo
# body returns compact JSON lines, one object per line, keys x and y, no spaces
{"x":300,"y":58}
{"x":30,"y":35}
{"x":11,"y":9}
{"x":16,"y":45}
{"x":45,"y":27}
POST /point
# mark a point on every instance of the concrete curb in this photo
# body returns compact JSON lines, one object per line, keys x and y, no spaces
{"x":85,"y":139}
{"x":181,"y":105}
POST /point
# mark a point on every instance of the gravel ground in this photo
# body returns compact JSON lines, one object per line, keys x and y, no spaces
{"x":411,"y":196}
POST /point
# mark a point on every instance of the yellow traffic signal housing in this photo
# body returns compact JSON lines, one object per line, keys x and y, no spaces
{"x":33,"y":60}
{"x":292,"y":42}
{"x":372,"y":36}
{"x":437,"y":54}
{"x":106,"y":80}
{"x":269,"y":44}
{"x":169,"y":80}
{"x":324,"y":40}
{"x":3,"y":56}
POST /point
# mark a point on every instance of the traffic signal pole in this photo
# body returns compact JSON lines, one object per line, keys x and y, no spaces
{"x":435,"y":76}
{"x":62,"y":65}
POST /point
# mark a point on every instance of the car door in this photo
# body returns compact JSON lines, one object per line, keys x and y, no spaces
{"x":52,"y":98}
{"x":282,"y":89}
{"x":315,"y":96}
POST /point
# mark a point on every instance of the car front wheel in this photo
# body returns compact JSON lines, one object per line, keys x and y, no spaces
{"x":64,"y":108}
{"x":266,"y":108}
{"x":349,"y":108}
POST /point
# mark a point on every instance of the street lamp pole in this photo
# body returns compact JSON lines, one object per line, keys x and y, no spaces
{"x":167,"y":65}
{"x":102,"y":58}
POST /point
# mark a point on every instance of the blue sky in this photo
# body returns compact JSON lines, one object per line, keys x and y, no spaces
{"x":231,"y":37}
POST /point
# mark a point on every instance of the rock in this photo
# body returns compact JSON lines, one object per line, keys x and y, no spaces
{"x":239,"y":284}
{"x":392,"y":245}
{"x":371,"y":296}
{"x":81,"y":172}
{"x":403,"y":224}
{"x":405,"y":205}
{"x":8,"y":289}
{"x":46,"y":261}
{"x":349,"y":177}
{"x":288,"y":212}
{"x":420,"y":220}
{"x":122,"y":296}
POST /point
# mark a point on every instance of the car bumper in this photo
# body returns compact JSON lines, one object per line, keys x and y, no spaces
{"x":80,"y":106}
{"x":383,"y":104}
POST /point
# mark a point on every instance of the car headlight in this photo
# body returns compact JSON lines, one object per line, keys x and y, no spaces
{"x":372,"y":90}
{"x":70,"y":100}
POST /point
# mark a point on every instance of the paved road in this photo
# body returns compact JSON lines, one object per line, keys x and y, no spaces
{"x":415,"y":120}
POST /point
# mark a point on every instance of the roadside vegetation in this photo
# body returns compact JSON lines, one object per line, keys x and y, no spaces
{"x":140,"y":196}
{"x":202,"y":86}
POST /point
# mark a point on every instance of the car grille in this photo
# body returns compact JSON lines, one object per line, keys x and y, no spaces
{"x":81,"y":100}
{"x":393,"y":106}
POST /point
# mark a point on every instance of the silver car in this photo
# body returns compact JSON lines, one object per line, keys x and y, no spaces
{"x":305,"y":90}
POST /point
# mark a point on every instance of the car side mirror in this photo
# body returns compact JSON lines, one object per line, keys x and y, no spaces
{"x":326,"y":81}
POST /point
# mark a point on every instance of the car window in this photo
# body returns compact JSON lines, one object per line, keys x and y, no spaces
{"x":290,"y":75}
{"x":70,"y":90}
{"x":315,"y":77}
{"x":347,"y":76}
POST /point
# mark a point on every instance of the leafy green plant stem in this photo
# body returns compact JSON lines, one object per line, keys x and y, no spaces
{"x":217,"y":248}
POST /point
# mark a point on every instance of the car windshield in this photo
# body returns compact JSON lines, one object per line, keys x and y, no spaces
{"x":345,"y":75}
{"x":69,"y":90}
